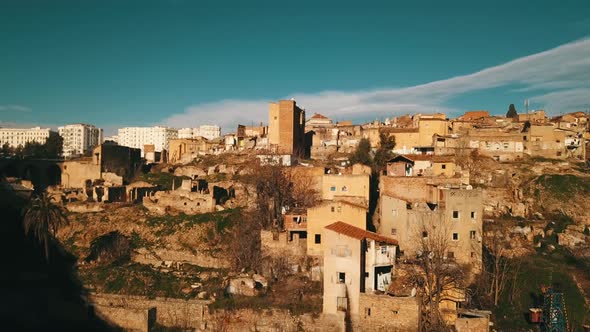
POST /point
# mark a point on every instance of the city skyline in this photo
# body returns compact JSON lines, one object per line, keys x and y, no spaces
{"x":182,"y":64}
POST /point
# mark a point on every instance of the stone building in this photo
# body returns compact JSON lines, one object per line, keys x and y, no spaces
{"x":286,"y":128}
{"x":111,"y":163}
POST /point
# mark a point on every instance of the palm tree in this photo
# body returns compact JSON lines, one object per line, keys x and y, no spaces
{"x":43,"y":219}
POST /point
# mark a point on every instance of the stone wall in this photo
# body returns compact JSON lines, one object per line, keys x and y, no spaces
{"x":478,"y":324}
{"x":387,"y":313}
{"x":131,"y":312}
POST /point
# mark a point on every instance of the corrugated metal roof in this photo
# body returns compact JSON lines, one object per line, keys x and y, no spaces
{"x":358,"y":233}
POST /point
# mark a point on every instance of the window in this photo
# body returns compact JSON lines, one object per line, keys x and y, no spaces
{"x":318,"y":238}
{"x":424,"y":234}
{"x":455,"y":214}
{"x":341,"y":303}
{"x":344,"y":188}
{"x":366,"y":274}
{"x":333,"y":188}
{"x":383,"y":249}
{"x":455,"y":236}
{"x":472,"y":254}
{"x":394,"y":212}
{"x":559,"y":153}
{"x":472,"y":235}
{"x":393,"y":231}
{"x":341,"y":277}
{"x":332,"y":209}
{"x":450,"y":255}
{"x":473,"y":214}
{"x":367,"y":312}
{"x":444,"y":166}
{"x":339,"y":209}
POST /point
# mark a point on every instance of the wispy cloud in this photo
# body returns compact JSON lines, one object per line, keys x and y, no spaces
{"x":558,"y":78}
{"x":14,"y":108}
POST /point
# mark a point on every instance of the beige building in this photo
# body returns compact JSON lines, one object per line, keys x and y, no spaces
{"x":327,"y":213}
{"x":454,"y":216}
{"x":350,"y":187}
{"x":545,"y":141}
{"x":428,"y":127}
{"x":286,"y":128}
{"x":355,"y":262}
{"x":16,"y":137}
{"x":421,"y":165}
{"x":185,"y":150}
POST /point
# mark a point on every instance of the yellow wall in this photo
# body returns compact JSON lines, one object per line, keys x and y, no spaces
{"x":345,"y":185}
{"x":428,"y":127}
{"x":321,"y":216}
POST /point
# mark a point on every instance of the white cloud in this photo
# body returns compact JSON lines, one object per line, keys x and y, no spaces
{"x":14,"y":108}
{"x":560,"y":77}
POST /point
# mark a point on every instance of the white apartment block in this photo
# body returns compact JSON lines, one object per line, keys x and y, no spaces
{"x":79,"y":138}
{"x":137,"y":137}
{"x":20,"y":136}
{"x":207,"y":131}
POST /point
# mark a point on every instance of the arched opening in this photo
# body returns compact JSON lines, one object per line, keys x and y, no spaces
{"x":53,"y":175}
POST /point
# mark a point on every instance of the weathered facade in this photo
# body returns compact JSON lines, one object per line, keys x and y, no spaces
{"x":286,"y":128}
{"x":330,"y":212}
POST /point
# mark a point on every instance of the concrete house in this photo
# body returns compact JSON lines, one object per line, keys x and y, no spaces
{"x":455,"y":213}
{"x":355,"y":261}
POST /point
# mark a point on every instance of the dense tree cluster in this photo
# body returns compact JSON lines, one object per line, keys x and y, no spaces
{"x":378,"y":159}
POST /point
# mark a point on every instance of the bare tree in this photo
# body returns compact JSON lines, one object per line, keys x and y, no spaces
{"x":498,"y":266}
{"x":245,"y":244}
{"x":279,"y":188}
{"x":438,"y":275}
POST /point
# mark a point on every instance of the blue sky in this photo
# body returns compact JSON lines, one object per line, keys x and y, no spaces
{"x":183,"y":63}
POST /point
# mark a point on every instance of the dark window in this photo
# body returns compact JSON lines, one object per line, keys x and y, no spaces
{"x":393,"y":231}
{"x":341,"y":277}
{"x":366,"y":274}
{"x":367,"y":311}
{"x":472,"y":214}
{"x":455,"y":236}
{"x":424,"y":234}
{"x":455,"y":214}
{"x":472,"y":235}
{"x":444,"y":166}
{"x":332,"y":209}
{"x":318,"y":238}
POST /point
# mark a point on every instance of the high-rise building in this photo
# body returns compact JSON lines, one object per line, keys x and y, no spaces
{"x":20,"y":136}
{"x":79,"y":138}
{"x":138,"y":137}
{"x":286,"y":127}
{"x":207,"y":131}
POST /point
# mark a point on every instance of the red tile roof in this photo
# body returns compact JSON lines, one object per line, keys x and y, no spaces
{"x":318,"y":116}
{"x":358,"y":233}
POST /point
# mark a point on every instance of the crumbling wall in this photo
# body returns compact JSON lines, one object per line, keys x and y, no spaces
{"x":179,"y":200}
{"x":131,"y":312}
{"x":387,"y":313}
{"x":476,"y":324}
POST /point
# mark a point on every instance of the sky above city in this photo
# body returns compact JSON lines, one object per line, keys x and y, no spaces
{"x":184,"y":63}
